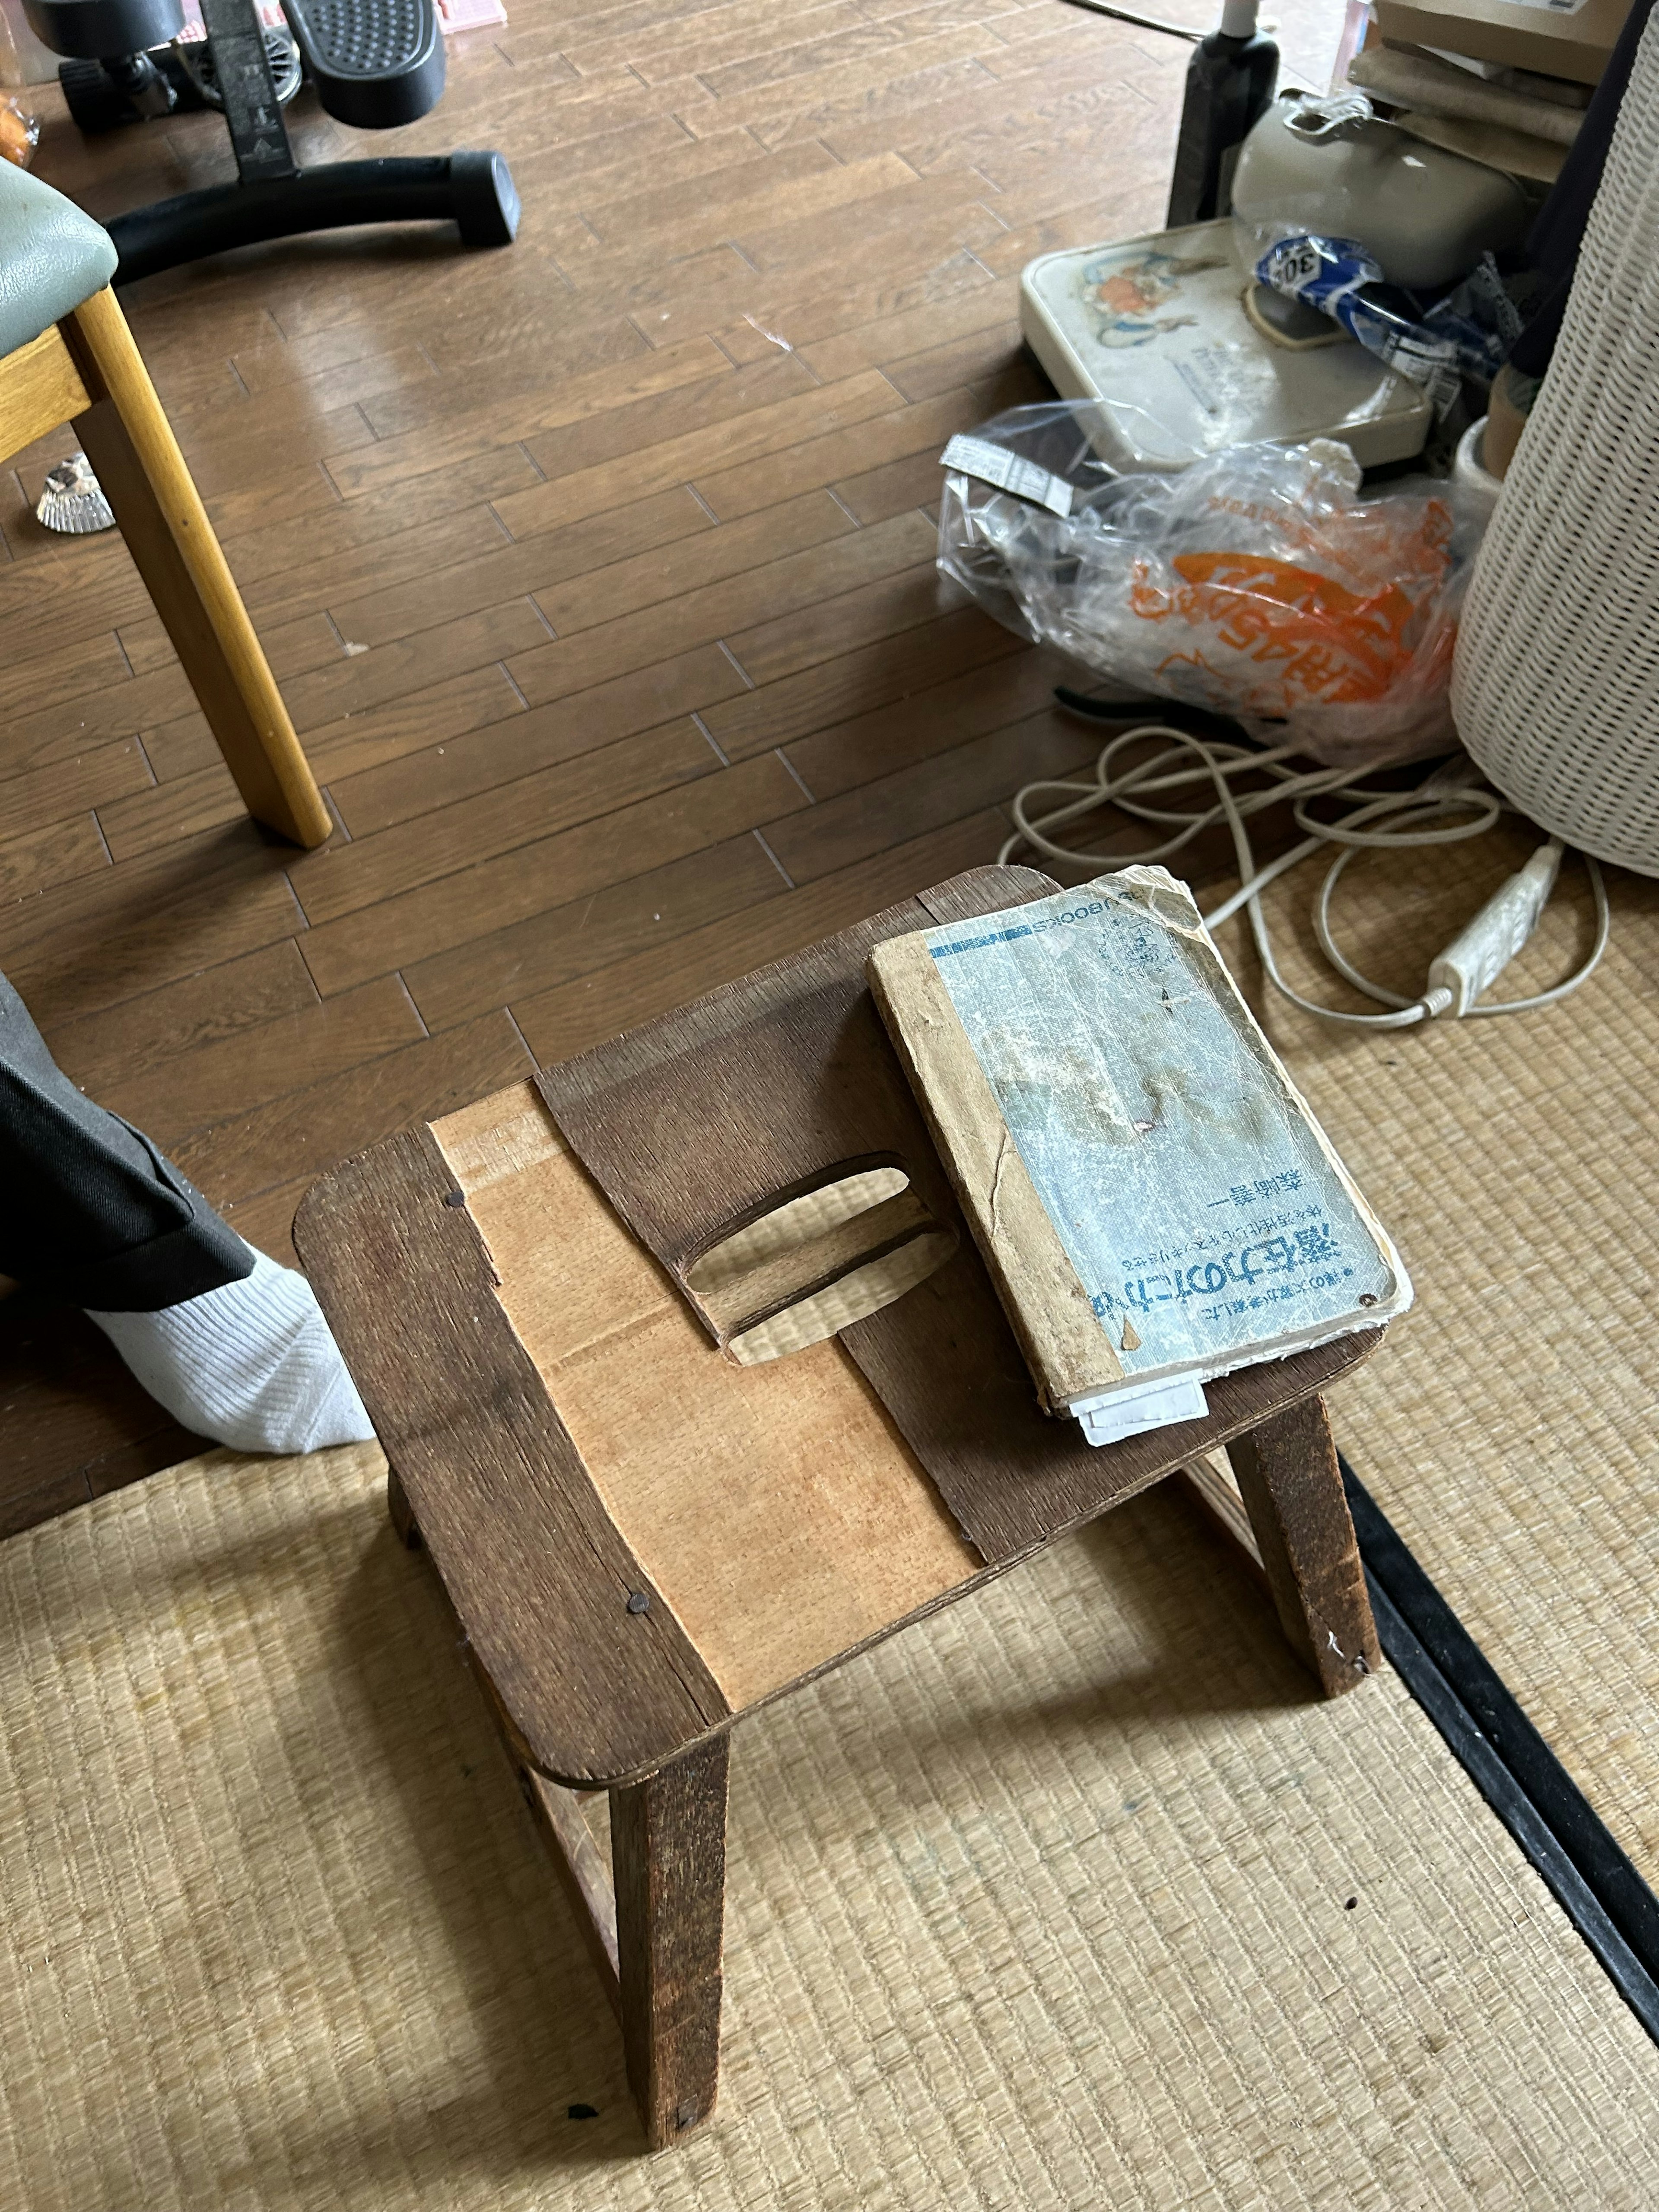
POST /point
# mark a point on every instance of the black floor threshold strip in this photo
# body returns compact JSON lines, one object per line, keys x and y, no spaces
{"x":1509,"y":1763}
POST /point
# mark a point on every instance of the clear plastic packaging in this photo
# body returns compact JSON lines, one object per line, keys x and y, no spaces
{"x":20,"y":131}
{"x":1466,"y":333}
{"x":1256,"y":583}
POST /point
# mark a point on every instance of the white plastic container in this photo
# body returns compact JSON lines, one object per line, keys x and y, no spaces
{"x":1331,"y":167}
{"x":1468,"y":470}
{"x":1155,"y":327}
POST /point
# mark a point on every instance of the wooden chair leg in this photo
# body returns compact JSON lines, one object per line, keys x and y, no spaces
{"x":130,"y":443}
{"x":668,"y":1858}
{"x":1292,"y":1491}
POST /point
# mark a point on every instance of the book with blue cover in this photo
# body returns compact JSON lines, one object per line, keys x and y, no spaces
{"x":1155,"y":1201}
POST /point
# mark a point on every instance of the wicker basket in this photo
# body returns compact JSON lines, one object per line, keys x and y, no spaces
{"x":1555,"y":687}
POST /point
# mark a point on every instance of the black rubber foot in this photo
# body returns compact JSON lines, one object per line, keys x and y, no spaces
{"x":100,"y":96}
{"x":95,"y":103}
{"x":486,"y":199}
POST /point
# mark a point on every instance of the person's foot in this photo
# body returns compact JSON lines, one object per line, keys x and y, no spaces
{"x":252,"y":1364}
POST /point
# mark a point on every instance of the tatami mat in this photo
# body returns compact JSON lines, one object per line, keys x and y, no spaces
{"x":1510,"y":1427}
{"x":1045,"y":1903}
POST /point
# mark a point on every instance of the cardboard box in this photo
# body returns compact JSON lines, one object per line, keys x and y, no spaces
{"x":1575,"y":40}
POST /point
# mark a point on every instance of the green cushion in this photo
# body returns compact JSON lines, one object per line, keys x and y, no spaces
{"x":51,"y":257}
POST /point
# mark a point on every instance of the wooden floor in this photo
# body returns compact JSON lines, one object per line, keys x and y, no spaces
{"x":597,"y":573}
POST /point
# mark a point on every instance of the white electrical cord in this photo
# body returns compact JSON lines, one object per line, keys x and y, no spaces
{"x":1381,"y":820}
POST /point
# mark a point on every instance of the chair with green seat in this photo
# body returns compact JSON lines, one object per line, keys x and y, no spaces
{"x":66,"y":355}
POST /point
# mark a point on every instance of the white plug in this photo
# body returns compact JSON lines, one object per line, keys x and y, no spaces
{"x":1473,"y":961}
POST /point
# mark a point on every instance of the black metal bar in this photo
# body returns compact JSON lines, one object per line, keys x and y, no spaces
{"x":1510,"y":1802}
{"x":1516,"y":1771}
{"x":241,"y":70}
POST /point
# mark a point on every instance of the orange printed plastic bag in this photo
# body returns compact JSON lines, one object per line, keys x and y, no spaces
{"x":1256,"y":583}
{"x":20,"y":131}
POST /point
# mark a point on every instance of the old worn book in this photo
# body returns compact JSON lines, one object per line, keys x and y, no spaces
{"x":1155,"y":1202}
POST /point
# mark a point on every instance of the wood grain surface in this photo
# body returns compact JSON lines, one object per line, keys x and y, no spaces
{"x":689,"y":421}
{"x":774,"y":1506}
{"x":1291,"y":1487}
{"x":130,"y":443}
{"x":558,"y":1814}
{"x":700,"y":1123}
{"x":598,"y":1677}
{"x":696,"y":1124}
{"x":782,"y":1513}
{"x":668,"y":1858}
{"x":40,"y":387}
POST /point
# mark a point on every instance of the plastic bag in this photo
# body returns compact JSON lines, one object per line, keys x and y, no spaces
{"x":1256,"y":583}
{"x":20,"y":131}
{"x":1466,"y":333}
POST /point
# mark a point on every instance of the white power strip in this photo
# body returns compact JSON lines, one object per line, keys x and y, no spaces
{"x":1473,"y":961}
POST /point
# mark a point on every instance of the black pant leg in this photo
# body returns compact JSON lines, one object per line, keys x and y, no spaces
{"x":90,"y":1212}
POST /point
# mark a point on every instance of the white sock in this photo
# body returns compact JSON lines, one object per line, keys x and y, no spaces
{"x":252,"y":1364}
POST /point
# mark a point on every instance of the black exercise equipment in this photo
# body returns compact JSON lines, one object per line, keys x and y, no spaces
{"x":375,"y":63}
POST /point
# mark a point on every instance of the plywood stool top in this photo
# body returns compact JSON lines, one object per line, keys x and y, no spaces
{"x":775,"y":1507}
{"x":642,"y":1539}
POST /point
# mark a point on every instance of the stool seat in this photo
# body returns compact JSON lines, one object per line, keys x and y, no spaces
{"x":569,"y":1440}
{"x":52,"y":256}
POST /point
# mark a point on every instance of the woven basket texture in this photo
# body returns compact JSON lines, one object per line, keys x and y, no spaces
{"x":1555,"y":687}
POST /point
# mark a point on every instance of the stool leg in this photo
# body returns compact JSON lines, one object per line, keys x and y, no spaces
{"x":668,"y":1857}
{"x":401,"y":1512}
{"x":1292,"y":1491}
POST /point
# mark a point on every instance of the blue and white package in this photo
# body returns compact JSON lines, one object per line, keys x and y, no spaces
{"x":1435,"y":347}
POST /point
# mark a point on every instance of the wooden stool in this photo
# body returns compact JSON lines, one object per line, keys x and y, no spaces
{"x":644,"y":1541}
